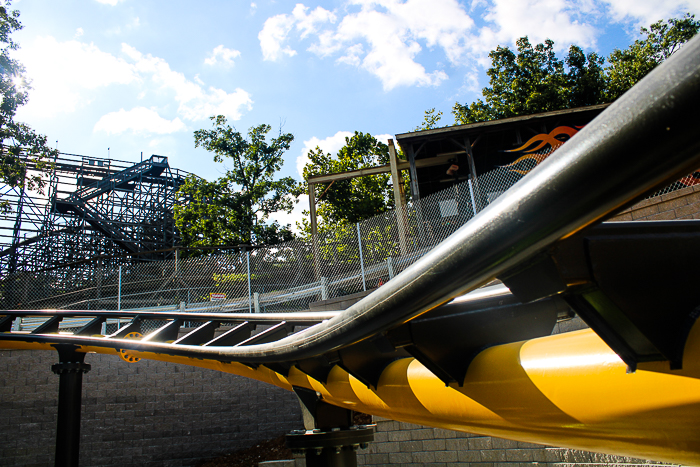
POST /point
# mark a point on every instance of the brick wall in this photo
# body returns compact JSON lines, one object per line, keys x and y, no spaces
{"x":147,"y":413}
{"x":398,"y":443}
{"x":680,"y":204}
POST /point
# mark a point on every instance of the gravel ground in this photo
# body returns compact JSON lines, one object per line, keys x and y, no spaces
{"x":270,"y":450}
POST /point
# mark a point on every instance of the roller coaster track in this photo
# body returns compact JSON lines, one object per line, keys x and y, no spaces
{"x":434,"y":346}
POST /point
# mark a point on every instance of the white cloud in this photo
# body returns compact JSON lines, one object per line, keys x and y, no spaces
{"x":253,"y":7}
{"x":646,"y":12}
{"x":195,"y":102}
{"x":558,"y":20}
{"x":79,"y":32}
{"x":138,"y":120}
{"x":61,"y":71}
{"x":109,"y":2}
{"x":69,"y":75}
{"x":389,"y":38}
{"x":217,"y":102}
{"x":273,"y":34}
{"x":277,"y":28}
{"x":384,"y":37}
{"x":331,"y":144}
{"x":221,"y":54}
{"x":308,"y":23}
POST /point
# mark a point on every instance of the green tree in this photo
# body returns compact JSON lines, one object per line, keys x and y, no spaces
{"x":659,"y":42}
{"x":352,"y":200}
{"x":235,"y":208}
{"x":430,"y":120}
{"x":534,"y":80}
{"x":24,"y":153}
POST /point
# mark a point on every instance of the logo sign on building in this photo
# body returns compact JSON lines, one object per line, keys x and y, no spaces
{"x":214,"y":296}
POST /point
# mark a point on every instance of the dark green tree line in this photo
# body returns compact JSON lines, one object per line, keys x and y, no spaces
{"x":532,"y":79}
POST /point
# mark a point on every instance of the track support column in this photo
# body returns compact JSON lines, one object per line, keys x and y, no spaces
{"x":70,"y":369}
{"x":330,"y":438}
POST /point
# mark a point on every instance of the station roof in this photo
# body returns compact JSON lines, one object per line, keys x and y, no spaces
{"x":457,"y":131}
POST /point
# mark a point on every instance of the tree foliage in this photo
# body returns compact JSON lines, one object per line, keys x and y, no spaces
{"x":352,"y":200}
{"x":17,"y":139}
{"x":430,"y":120}
{"x":533,"y":79}
{"x":659,"y":42}
{"x":235,"y":208}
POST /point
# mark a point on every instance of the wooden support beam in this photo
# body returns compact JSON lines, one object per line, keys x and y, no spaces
{"x":380,"y":169}
{"x":314,"y":230}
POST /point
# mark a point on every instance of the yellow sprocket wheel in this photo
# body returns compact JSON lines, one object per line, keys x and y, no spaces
{"x":124,"y":354}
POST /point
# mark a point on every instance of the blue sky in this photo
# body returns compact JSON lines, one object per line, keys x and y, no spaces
{"x":137,"y":76}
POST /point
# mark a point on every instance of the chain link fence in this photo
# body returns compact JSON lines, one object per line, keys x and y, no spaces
{"x":285,"y":277}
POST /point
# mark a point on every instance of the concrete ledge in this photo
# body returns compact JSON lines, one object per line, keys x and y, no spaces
{"x":279,"y":463}
{"x":339,"y":303}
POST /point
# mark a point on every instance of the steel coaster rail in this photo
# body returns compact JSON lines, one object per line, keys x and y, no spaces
{"x":262,"y":318}
{"x":608,"y":165}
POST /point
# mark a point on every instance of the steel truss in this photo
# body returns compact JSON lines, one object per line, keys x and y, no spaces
{"x":93,"y":212}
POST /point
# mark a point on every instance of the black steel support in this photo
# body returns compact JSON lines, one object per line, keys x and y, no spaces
{"x":330,"y":438}
{"x":70,"y":369}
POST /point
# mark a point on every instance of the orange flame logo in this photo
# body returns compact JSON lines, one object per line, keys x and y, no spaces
{"x":540,"y":141}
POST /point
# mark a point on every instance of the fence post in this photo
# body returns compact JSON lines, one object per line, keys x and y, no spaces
{"x":324,"y":288}
{"x":100,"y":274}
{"x":472,"y":170}
{"x":119,"y":298}
{"x":390,"y":267}
{"x":471,"y":192}
{"x":250,"y":305}
{"x":119,"y":291}
{"x":362,"y":263}
{"x":256,"y":301}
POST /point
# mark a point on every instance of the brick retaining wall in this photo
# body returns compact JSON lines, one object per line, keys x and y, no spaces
{"x":398,"y":443}
{"x":147,"y":413}
{"x":680,"y":204}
